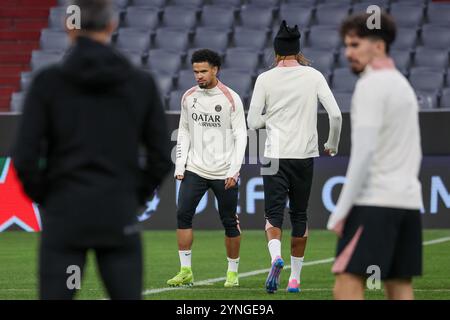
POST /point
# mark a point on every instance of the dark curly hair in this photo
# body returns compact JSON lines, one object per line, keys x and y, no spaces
{"x":206,"y":55}
{"x":357,"y":24}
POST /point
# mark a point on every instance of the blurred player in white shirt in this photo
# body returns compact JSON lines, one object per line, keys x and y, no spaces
{"x":377,"y":215}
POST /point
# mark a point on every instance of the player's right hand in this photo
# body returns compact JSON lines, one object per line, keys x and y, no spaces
{"x":180,"y":177}
{"x":330,"y":152}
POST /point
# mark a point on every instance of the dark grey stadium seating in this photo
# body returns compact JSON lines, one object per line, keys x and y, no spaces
{"x":433,"y":58}
{"x":160,"y":36}
{"x":54,"y":40}
{"x":343,"y":80}
{"x":249,"y":38}
{"x":439,"y":13}
{"x":407,"y":15}
{"x":445,"y":98}
{"x":40,"y":59}
{"x":295,"y":15}
{"x":436,"y":37}
{"x":141,"y":18}
{"x":256,"y":17}
{"x":241,"y":59}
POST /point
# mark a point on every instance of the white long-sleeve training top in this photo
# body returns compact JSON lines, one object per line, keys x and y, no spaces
{"x":212,"y":134}
{"x":290,"y":93}
{"x":386,"y":151}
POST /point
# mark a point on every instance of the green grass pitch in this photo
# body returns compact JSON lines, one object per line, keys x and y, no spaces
{"x":18,"y":266}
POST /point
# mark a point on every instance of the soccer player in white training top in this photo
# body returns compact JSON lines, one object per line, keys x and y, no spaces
{"x":377,"y":216}
{"x":290,"y":93}
{"x":212,"y":139}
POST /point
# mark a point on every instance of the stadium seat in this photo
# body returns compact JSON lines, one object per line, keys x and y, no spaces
{"x":411,"y":2}
{"x":334,"y":2}
{"x":240,"y":82}
{"x":186,"y":80}
{"x":226,"y":3}
{"x":57,"y":18}
{"x":432,"y":58}
{"x":25,"y":80}
{"x":149,"y":3}
{"x":217,"y":16}
{"x":435,"y":37}
{"x":402,"y":59}
{"x":331,"y":14}
{"x":261,"y":70}
{"x":121,"y":4}
{"x":54,"y":40}
{"x":426,"y":80}
{"x":210,"y":38}
{"x":406,"y":38}
{"x":342,"y":59}
{"x":170,"y":40}
{"x":141,"y":18}
{"x":268,"y":58}
{"x":439,"y":13}
{"x":362,"y":6}
{"x":427,"y":99}
{"x":175,"y":100}
{"x":321,"y":60}
{"x":249,"y":38}
{"x":163,"y":61}
{"x":164,"y":82}
{"x":407,"y":15}
{"x":17,"y":100}
{"x":134,"y":58}
{"x":303,"y":3}
{"x":323,"y":37}
{"x":241,"y":59}
{"x":445,"y":98}
{"x":133,"y":40}
{"x":179,"y":17}
{"x":41,"y":59}
{"x":343,"y":80}
{"x":193,"y":3}
{"x":264,"y":3}
{"x":256,"y":17}
{"x":343,"y":100}
{"x":295,"y":15}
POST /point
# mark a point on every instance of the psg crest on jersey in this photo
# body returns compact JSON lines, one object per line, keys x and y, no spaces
{"x":218,"y":108}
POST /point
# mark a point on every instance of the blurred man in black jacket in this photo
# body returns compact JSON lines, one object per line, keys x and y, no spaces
{"x":77,"y":155}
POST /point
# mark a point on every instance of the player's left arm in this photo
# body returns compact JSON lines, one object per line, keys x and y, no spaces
{"x":239,"y":133}
{"x":328,"y":101}
{"x":367,"y":119}
{"x":255,"y":118}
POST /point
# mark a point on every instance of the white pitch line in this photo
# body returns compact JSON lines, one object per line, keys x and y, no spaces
{"x":261,"y":271}
{"x":440,"y":240}
{"x":241,"y":275}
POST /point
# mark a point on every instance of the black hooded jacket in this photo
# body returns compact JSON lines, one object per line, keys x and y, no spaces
{"x":77,"y":148}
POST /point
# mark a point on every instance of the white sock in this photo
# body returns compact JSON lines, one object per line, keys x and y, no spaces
{"x":296,"y":268}
{"x":185,"y":258}
{"x":233,"y":264}
{"x":274,"y":248}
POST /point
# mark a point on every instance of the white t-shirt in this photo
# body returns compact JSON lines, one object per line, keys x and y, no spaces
{"x":386,"y":151}
{"x":212,"y":135}
{"x":290,"y":93}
